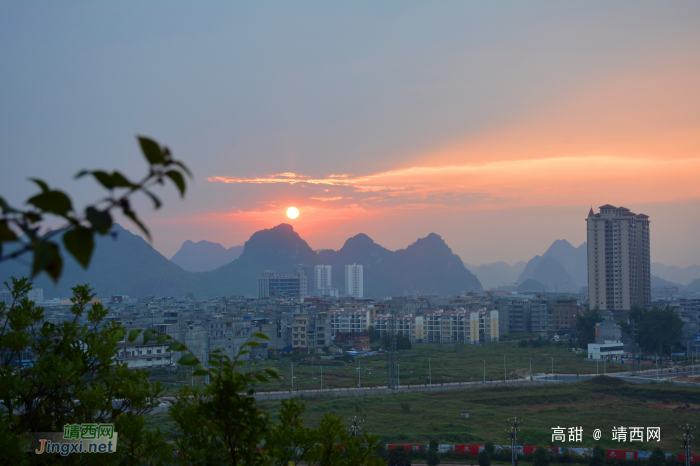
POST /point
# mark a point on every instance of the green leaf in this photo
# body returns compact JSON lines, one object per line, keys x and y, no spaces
{"x":176,"y":346}
{"x":120,"y":181}
{"x":188,"y":360}
{"x":178,"y":179}
{"x":199,"y":371}
{"x":262,"y":336}
{"x":261,"y":378}
{"x":156,"y":201}
{"x":151,"y":150}
{"x":100,"y":220}
{"x":133,"y":335}
{"x":253,"y":343}
{"x":55,"y":202}
{"x":147,"y":336}
{"x":42,"y":184}
{"x":5,"y":233}
{"x":130,"y":213}
{"x":80,"y":243}
{"x":104,"y":178}
{"x":184,"y":167}
{"x":162,"y":338}
{"x":47,"y":258}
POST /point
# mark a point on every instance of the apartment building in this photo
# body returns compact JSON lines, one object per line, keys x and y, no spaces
{"x":354,"y":281}
{"x":349,"y":321}
{"x":410,"y":327}
{"x":460,"y":326}
{"x":619,"y":264}
{"x":564,"y":312}
{"x":289,"y":285}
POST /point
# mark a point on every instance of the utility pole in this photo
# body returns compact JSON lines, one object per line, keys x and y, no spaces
{"x":530,"y":368}
{"x":391,"y":372}
{"x":505,"y":374}
{"x":552,"y":367}
{"x":484,"y":371}
{"x":685,"y":439}
{"x":514,"y":428}
{"x":430,"y":373}
{"x":321,"y":378}
{"x":359,"y":372}
{"x":292,"y":365}
{"x":656,"y":356}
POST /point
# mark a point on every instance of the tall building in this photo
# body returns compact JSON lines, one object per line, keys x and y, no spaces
{"x":322,"y":276}
{"x":290,"y":285}
{"x":354,"y":281}
{"x":619,"y":264}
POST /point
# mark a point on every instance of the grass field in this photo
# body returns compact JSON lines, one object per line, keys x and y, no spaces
{"x":445,"y":363}
{"x":600,"y":403}
{"x":453,"y":363}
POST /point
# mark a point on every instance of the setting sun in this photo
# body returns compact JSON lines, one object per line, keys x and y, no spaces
{"x":292,"y":212}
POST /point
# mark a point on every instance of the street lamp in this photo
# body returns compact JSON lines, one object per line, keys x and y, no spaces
{"x":505,"y":374}
{"x":552,"y":367}
{"x":430,"y":373}
{"x":398,"y":375}
{"x":513,"y":434}
{"x":359,"y":371}
{"x":484,"y":371}
{"x":685,"y":439}
{"x":656,"y":356}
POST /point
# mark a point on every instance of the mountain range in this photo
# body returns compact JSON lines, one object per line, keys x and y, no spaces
{"x":204,"y":256}
{"x":128,"y":265}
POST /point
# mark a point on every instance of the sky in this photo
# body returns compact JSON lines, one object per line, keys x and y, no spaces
{"x":496,"y":125}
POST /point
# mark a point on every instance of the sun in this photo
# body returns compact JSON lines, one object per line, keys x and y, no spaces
{"x":292,"y":212}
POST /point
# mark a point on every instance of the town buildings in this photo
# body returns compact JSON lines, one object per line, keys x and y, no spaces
{"x":619,"y":264}
{"x":354,"y":281}
{"x":292,"y":285}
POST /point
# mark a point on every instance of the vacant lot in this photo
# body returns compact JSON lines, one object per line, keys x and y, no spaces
{"x":601,"y":403}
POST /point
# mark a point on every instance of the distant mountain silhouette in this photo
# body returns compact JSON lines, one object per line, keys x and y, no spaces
{"x":126,"y":265}
{"x":129,"y":265}
{"x":428,"y":265}
{"x":657,"y":281}
{"x":497,"y":274}
{"x":530,"y":285}
{"x":561,"y":267}
{"x":676,"y":274}
{"x":694,"y":286}
{"x":204,"y":256}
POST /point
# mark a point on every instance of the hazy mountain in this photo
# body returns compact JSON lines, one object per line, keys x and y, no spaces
{"x":126,"y":264}
{"x":204,"y":256}
{"x":129,"y":265}
{"x":530,"y":285}
{"x":428,"y":265}
{"x":657,"y":281}
{"x":561,"y":267}
{"x":694,"y":286}
{"x":497,"y":274}
{"x":676,"y":274}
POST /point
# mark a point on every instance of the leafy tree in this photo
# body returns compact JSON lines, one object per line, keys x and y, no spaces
{"x":374,"y":335}
{"x":660,"y":326}
{"x":657,"y":458}
{"x":585,"y":326}
{"x":522,"y":343}
{"x":484,"y":458}
{"x":541,"y":457}
{"x":403,"y":343}
{"x":433,"y":459}
{"x":597,"y":458}
{"x":72,"y":379}
{"x":289,"y":442}
{"x":79,"y":239}
{"x":399,"y":457}
{"x":490,"y":448}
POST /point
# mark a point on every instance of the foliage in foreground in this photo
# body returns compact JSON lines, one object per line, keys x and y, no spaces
{"x":73,"y":378}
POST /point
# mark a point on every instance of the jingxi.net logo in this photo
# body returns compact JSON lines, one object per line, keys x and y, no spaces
{"x":77,"y":438}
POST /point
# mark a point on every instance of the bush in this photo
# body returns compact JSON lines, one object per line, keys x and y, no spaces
{"x":541,"y":457}
{"x":399,"y":457}
{"x":490,"y":448}
{"x":597,"y":458}
{"x":432,"y":459}
{"x":484,"y":458}
{"x":658,"y":458}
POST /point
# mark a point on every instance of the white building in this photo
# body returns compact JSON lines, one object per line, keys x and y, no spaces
{"x":619,"y":264}
{"x":349,"y":321}
{"x":408,"y":326}
{"x":290,"y":285}
{"x":152,"y":354}
{"x":460,"y":326}
{"x":322,"y":275}
{"x":354,"y":282}
{"x":607,"y":350}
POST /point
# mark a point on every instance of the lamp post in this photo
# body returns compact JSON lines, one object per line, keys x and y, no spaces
{"x":430,"y":373}
{"x":552,"y":367}
{"x":398,"y":375}
{"x":484,"y":371}
{"x":359,"y":371}
{"x":530,"y":368}
{"x":656,"y":356}
{"x":292,"y":364}
{"x":505,"y":374}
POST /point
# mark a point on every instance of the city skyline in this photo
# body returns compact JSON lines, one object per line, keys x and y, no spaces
{"x":458,"y":119}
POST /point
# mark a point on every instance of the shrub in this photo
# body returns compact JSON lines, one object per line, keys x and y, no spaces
{"x":541,"y":457}
{"x":484,"y":458}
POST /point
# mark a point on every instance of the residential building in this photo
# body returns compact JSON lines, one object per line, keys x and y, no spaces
{"x":460,"y":326}
{"x":607,"y":329}
{"x":408,"y":326}
{"x":352,"y":341}
{"x":565,"y":311}
{"x":354,"y":284}
{"x":541,"y":316}
{"x":619,"y":265}
{"x":322,"y":277}
{"x":300,"y":330}
{"x":349,"y":321}
{"x":290,"y":285}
